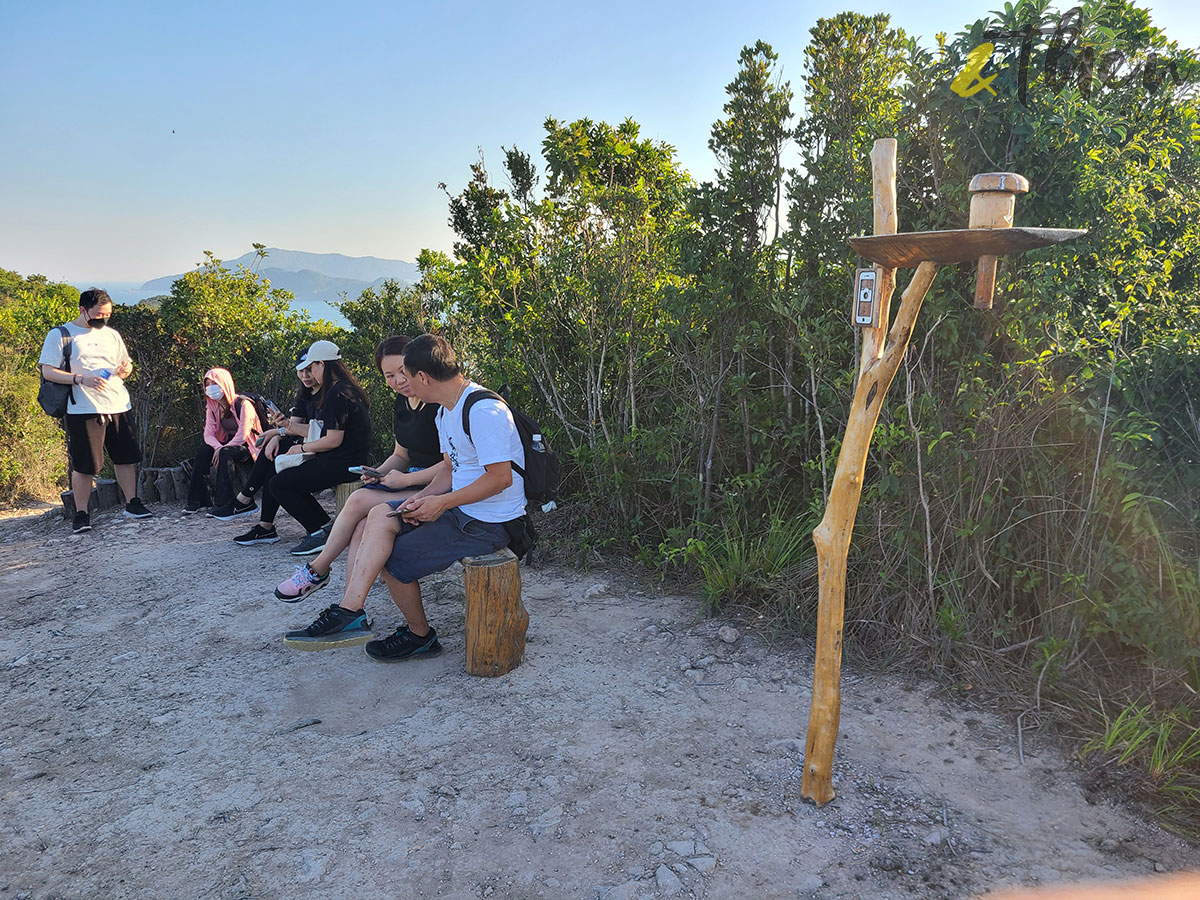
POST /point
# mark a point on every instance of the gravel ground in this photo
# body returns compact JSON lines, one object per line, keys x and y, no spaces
{"x":159,"y":740}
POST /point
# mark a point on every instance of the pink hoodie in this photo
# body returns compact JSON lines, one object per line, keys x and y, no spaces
{"x":249,"y":427}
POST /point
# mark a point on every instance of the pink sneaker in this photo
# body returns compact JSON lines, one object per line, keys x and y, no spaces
{"x":301,"y":584}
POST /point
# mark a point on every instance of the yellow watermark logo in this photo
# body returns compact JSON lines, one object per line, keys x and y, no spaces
{"x":969,"y":82}
{"x":1066,"y":59}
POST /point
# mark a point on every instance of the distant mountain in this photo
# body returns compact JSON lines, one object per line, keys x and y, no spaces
{"x":315,"y":277}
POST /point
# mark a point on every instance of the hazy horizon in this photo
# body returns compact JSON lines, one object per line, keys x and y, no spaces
{"x":299,"y":126}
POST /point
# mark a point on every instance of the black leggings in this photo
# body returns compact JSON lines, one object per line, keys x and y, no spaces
{"x":226,"y":458}
{"x":261,"y":473}
{"x":293,"y":489}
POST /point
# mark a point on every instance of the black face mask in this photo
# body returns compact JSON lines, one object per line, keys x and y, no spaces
{"x":97,"y":323}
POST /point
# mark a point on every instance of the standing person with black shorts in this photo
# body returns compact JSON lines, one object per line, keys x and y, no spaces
{"x":98,"y":416}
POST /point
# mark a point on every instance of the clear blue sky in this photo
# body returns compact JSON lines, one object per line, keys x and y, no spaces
{"x":138,"y":135}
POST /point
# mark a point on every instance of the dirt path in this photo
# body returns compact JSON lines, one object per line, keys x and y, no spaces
{"x":158,"y":740}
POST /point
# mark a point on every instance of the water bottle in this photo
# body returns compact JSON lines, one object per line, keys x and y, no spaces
{"x":536,"y":444}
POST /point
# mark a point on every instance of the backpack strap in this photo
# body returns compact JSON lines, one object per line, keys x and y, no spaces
{"x":473,"y":398}
{"x":67,"y":342}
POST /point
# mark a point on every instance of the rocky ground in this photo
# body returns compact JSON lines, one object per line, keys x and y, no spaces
{"x":158,"y":740}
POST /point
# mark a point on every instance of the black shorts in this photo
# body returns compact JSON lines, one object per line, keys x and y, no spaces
{"x":117,"y":437}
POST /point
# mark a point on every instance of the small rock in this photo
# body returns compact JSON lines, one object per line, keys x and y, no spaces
{"x":1159,"y":867}
{"x":693,"y":674}
{"x":314,"y":863}
{"x":701,"y":850}
{"x":777,"y":677}
{"x":703,"y":864}
{"x":682,"y":848}
{"x":668,"y":881}
{"x":812,"y":883}
{"x":547,"y":821}
{"x":684,"y":664}
{"x":457,"y":845}
{"x":885,"y":863}
{"x":936,"y":836}
{"x":1108,"y":845}
{"x":447,"y":791}
{"x":630,"y":890}
{"x":516,"y":798}
{"x":705,"y":662}
{"x":729,"y":634}
{"x":595,"y":590}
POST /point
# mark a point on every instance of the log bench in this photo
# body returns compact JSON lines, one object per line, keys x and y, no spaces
{"x":495,"y":620}
{"x":105,"y":495}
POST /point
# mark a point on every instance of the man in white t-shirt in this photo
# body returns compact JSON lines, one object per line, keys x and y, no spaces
{"x":475,"y":494}
{"x":98,"y":415}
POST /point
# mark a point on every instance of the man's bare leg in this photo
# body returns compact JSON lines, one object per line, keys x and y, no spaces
{"x":81,"y":490}
{"x":352,"y":551}
{"x":407,"y":597}
{"x":126,"y":480}
{"x":373,"y":551}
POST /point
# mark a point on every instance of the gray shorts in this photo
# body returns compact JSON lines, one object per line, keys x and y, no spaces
{"x":421,"y":550}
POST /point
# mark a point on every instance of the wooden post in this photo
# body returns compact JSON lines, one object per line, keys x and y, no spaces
{"x":993,"y":205}
{"x":342,"y":493}
{"x":496,"y":619}
{"x":883,"y":190}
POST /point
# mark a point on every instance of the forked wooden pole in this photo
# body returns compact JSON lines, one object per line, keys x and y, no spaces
{"x":832,"y":538}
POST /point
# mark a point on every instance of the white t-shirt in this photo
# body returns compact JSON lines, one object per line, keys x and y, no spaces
{"x":92,"y":351}
{"x":493,"y":439}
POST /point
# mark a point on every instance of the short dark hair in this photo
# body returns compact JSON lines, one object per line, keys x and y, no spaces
{"x":390,"y":346}
{"x":93,"y":297}
{"x":432,"y":355}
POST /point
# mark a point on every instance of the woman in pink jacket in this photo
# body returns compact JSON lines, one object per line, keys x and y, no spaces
{"x":231,"y":428}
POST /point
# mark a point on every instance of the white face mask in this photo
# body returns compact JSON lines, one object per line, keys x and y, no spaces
{"x":214,"y":391}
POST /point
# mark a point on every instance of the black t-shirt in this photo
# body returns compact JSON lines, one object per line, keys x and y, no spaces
{"x":416,"y":432}
{"x":306,"y":406}
{"x":345,"y":412}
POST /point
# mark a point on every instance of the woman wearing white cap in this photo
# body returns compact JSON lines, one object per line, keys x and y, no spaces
{"x":345,"y":441}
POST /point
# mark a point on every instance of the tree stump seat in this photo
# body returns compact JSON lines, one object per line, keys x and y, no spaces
{"x":342,"y":493}
{"x":496,"y":620}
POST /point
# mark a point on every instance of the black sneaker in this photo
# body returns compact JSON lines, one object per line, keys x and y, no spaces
{"x":83,"y":522}
{"x":232,"y":510}
{"x":313,"y":543}
{"x":136,"y":509}
{"x":402,"y":645}
{"x":257,"y":535}
{"x":334,"y":627}
{"x":189,"y":510}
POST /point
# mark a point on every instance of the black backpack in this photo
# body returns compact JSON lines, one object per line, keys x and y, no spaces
{"x":52,"y":397}
{"x":260,"y":406}
{"x":541,"y":471}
